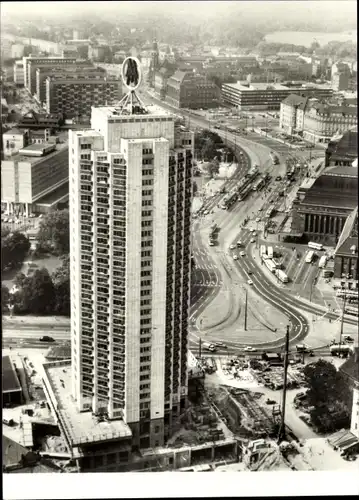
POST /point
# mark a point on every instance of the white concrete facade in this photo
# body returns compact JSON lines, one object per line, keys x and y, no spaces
{"x":354,"y":424}
{"x":123,"y":339}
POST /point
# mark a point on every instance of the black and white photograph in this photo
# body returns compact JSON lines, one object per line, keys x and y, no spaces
{"x":179,"y":248}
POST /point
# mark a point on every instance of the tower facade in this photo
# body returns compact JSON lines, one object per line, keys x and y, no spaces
{"x":130,"y":205}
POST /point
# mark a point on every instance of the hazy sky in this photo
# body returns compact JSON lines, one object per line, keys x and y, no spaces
{"x":196,"y":9}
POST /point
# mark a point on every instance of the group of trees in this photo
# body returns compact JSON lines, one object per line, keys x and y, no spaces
{"x":206,"y":144}
{"x":328,"y":395}
{"x":14,"y":248}
{"x":54,"y":233}
{"x":41,"y":293}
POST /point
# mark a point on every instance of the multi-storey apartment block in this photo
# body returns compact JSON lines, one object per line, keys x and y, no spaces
{"x":74,"y":95}
{"x":130,"y":213}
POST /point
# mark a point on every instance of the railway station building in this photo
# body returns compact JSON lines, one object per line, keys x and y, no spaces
{"x":323,"y":204}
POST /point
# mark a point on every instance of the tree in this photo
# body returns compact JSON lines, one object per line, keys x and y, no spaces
{"x":213,"y":167}
{"x":61,"y":281}
{"x":14,"y":248}
{"x":54,"y":233}
{"x":208,"y":151}
{"x":5,"y":297}
{"x":37,"y":295}
{"x":329,"y":396}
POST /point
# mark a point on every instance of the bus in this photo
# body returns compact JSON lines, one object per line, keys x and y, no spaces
{"x":262,"y":250}
{"x":259,"y":184}
{"x":310,"y":256}
{"x":270,"y":265}
{"x":245,"y":192}
{"x":291,"y":172}
{"x":268,"y":213}
{"x":243,"y":183}
{"x":281,"y":276}
{"x":315,"y":246}
{"x":228,"y":200}
{"x":270,"y":252}
{"x":252,"y":173}
{"x":322,"y":261}
{"x":274,"y":158}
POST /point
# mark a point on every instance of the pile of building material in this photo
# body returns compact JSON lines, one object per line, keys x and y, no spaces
{"x":272,"y":377}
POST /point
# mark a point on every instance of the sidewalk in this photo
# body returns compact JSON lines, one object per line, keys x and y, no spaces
{"x":41,"y":321}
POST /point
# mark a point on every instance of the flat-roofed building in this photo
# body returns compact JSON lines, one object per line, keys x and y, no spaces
{"x":73,"y":68}
{"x":292,"y":111}
{"x":73,"y":96}
{"x":31,"y":63}
{"x":11,"y":388}
{"x":36,"y":171}
{"x":323,"y":205}
{"x":264,"y":96}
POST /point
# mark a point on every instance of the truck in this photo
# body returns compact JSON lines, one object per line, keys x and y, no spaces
{"x":340,"y":350}
{"x":263,"y":250}
{"x":270,"y":265}
{"x":322,"y":261}
{"x":281,"y":276}
{"x":270,"y":252}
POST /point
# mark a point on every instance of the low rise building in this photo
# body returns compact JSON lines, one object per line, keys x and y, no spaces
{"x":74,"y":96}
{"x":44,"y":169}
{"x":161,"y":79}
{"x":292,"y":110}
{"x":346,"y":252}
{"x":263,"y":96}
{"x":40,"y":121}
{"x":350,"y":371}
{"x":190,"y":90}
{"x":323,"y":204}
{"x":340,"y":81}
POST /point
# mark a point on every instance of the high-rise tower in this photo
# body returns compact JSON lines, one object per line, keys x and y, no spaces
{"x":130,"y":205}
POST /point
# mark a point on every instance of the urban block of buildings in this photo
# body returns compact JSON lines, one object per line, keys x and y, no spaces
{"x":342,"y":150}
{"x":263,"y":96}
{"x":130,"y":205}
{"x":190,"y":90}
{"x":314,"y":120}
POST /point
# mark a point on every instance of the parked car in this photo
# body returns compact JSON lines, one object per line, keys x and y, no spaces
{"x":242,"y":254}
{"x":253,"y":240}
{"x":235,"y":257}
{"x":232,"y":247}
{"x":221,"y":344}
{"x":250,"y":282}
{"x":46,"y":338}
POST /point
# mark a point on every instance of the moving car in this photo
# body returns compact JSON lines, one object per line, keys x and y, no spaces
{"x":250,"y":282}
{"x":242,"y":254}
{"x":253,"y":240}
{"x":221,"y":344}
{"x":235,"y":257}
{"x":46,"y":338}
{"x":249,"y":348}
{"x":239,"y":243}
{"x":348,"y":338}
{"x":232,"y":247}
{"x":254,"y":233}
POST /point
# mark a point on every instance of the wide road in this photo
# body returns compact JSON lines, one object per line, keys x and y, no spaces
{"x":257,"y":149}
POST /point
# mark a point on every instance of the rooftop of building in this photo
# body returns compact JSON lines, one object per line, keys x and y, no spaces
{"x":342,"y":171}
{"x":15,"y":131}
{"x":299,"y":86}
{"x":296,"y":100}
{"x":61,"y":148}
{"x":10,"y":381}
{"x":348,"y":239}
{"x":345,"y":144}
{"x":84,"y":427}
{"x":330,"y":198}
{"x":14,"y":453}
{"x":351,"y":366}
{"x":116,"y":112}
